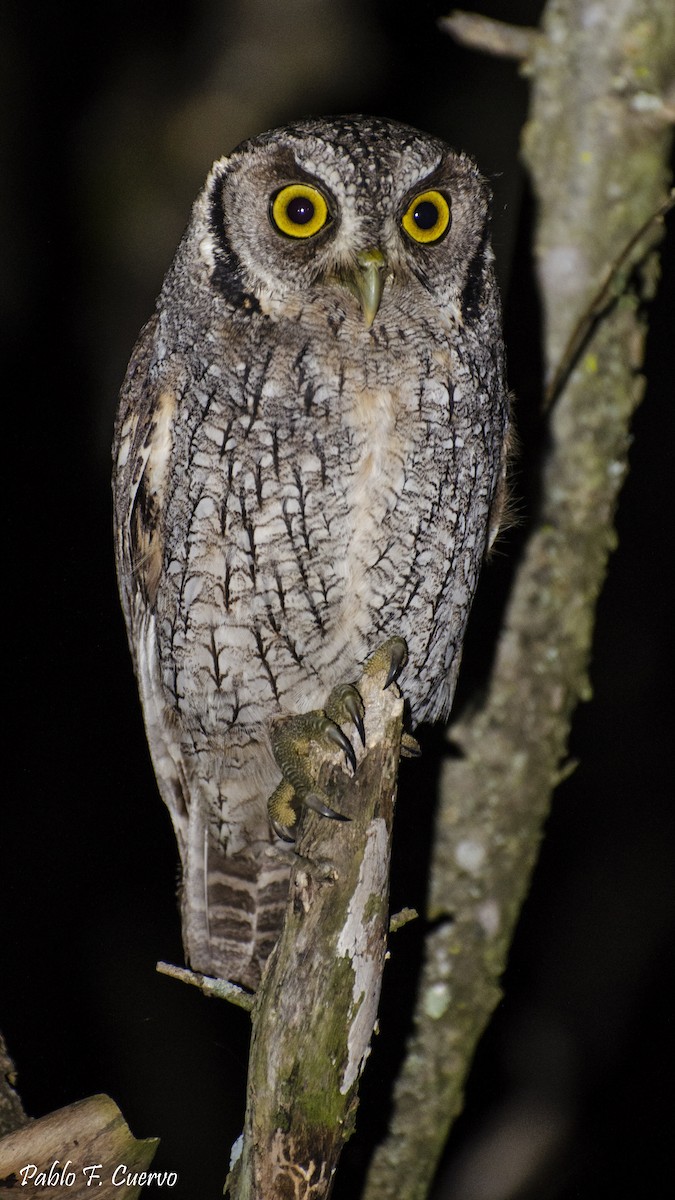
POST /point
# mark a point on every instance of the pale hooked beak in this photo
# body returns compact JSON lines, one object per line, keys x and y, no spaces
{"x":367,"y":281}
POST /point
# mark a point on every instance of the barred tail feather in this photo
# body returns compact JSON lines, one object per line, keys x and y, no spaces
{"x":232,"y":903}
{"x":232,"y":908}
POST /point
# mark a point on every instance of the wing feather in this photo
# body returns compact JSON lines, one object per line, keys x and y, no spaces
{"x":232,"y":904}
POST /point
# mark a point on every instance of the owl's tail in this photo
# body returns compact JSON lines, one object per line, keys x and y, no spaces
{"x":232,"y":906}
{"x":233,"y":895}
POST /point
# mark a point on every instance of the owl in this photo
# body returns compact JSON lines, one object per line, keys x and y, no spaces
{"x":309,"y":462}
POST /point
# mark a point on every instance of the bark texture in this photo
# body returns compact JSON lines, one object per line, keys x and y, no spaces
{"x":596,"y":145}
{"x":315,"y":1010}
{"x":12,"y":1115}
{"x":80,"y":1150}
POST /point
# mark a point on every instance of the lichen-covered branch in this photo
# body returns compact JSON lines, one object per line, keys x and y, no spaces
{"x":218,"y":989}
{"x":596,"y":145}
{"x":316,"y":1007}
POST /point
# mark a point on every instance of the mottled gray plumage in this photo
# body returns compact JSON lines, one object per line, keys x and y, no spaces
{"x":293,"y":486}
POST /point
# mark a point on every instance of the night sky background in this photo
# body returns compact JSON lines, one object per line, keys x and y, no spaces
{"x":110,"y":120}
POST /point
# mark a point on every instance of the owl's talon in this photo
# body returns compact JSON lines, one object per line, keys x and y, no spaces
{"x":354,"y":706}
{"x":333,"y":733}
{"x":283,"y":806}
{"x":313,"y":801}
{"x":296,"y":743}
{"x":399,"y":656}
{"x":387,"y":662}
{"x":281,"y":831}
{"x":345,"y":704}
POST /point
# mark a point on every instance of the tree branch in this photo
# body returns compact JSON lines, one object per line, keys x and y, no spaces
{"x":12,"y":1115}
{"x":597,"y":152}
{"x":83,"y":1148}
{"x":491,"y":37}
{"x":316,"y":1007}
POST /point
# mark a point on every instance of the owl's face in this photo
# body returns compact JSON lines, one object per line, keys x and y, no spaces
{"x":346,"y":214}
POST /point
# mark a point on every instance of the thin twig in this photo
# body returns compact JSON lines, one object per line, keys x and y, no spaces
{"x":221,"y":989}
{"x":401,"y":918}
{"x":491,"y":37}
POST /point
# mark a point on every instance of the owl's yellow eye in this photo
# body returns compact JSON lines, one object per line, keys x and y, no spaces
{"x":299,"y":210}
{"x":427,"y":218}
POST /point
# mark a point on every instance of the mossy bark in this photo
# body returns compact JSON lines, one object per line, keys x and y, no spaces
{"x":316,"y":1007}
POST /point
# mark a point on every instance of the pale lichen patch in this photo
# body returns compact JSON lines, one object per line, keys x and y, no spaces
{"x":437,"y":1000}
{"x":470,"y":855}
{"x":356,"y":943}
{"x":489,"y":917}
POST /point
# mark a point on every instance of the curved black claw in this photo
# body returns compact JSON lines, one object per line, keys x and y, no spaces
{"x":333,"y":733}
{"x":399,"y":656}
{"x":311,"y":800}
{"x":387,"y":662}
{"x":282,"y":831}
{"x":354,"y":707}
{"x":345,"y":705}
{"x":297,"y":746}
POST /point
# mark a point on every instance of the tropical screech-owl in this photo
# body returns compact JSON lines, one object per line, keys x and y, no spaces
{"x":309,"y":459}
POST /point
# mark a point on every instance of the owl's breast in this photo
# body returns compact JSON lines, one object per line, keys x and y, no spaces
{"x":312,"y":515}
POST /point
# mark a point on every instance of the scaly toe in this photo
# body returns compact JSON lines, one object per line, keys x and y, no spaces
{"x":387,"y":661}
{"x":410,"y":747}
{"x":297,"y":745}
{"x":282,"y":811}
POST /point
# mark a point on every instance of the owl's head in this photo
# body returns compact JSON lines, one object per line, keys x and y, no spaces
{"x":350,"y":216}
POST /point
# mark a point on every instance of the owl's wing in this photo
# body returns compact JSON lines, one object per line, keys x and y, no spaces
{"x":141,"y":457}
{"x":232,"y":904}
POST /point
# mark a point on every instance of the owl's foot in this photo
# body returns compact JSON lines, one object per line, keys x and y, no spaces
{"x":387,"y":662}
{"x":295,"y":741}
{"x":410,"y":747}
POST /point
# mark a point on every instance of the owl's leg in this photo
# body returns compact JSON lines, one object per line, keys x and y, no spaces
{"x":296,"y":740}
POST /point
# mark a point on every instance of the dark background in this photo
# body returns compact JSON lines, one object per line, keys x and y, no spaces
{"x":111,"y":118}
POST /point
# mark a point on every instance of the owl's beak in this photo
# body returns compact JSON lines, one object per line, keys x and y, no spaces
{"x":368,"y":279}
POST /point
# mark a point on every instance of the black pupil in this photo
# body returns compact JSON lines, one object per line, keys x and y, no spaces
{"x":425,"y":215}
{"x":300,"y":210}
